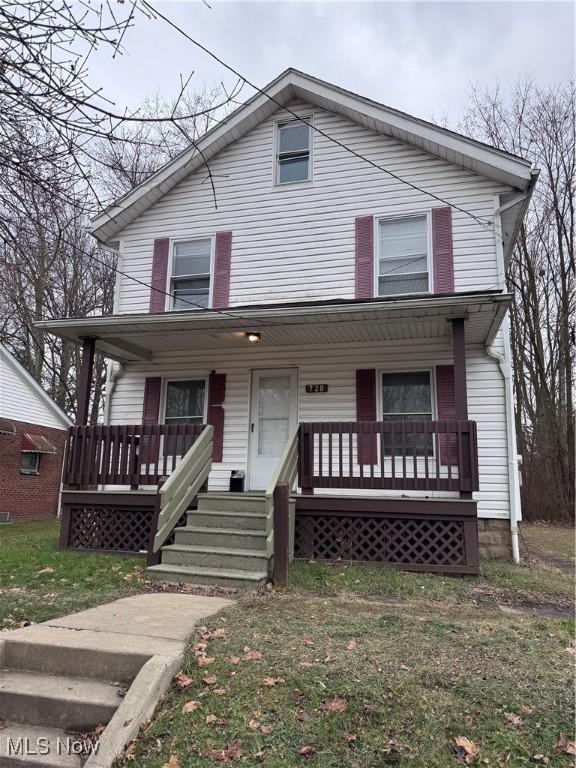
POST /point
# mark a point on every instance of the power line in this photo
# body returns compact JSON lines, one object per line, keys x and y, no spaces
{"x":484,"y":222}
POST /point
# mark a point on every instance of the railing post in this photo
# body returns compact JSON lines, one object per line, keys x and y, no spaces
{"x":85,"y":380}
{"x":153,"y":558}
{"x":281,"y":534}
{"x":305,"y":460}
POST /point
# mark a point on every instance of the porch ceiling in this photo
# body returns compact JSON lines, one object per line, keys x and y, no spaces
{"x":140,"y":337}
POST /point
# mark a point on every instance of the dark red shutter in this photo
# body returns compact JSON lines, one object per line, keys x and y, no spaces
{"x":216,"y":396}
{"x":364,"y":251}
{"x":366,"y":411}
{"x":443,"y":255}
{"x":150,"y":414}
{"x":158,"y":286}
{"x":222,"y":259}
{"x":446,"y":400}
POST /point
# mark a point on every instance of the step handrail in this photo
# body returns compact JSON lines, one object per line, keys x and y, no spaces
{"x":278,"y":507}
{"x":178,"y":492}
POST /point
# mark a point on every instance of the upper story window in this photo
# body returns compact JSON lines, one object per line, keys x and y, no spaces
{"x":190,"y":277}
{"x":293,"y":151}
{"x":403,"y":256}
{"x":185,"y":402}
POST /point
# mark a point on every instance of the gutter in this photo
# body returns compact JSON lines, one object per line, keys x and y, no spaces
{"x":504,"y":361}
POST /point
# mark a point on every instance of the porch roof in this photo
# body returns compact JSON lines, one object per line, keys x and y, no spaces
{"x":139,"y":337}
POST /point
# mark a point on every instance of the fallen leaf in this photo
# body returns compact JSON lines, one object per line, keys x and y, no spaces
{"x":232,"y":752}
{"x":307,"y":750}
{"x":172,"y":763}
{"x":335,"y":704}
{"x":235,"y":660}
{"x":190,"y":706}
{"x":270,"y":682}
{"x":47,"y":569}
{"x":513,"y":719}
{"x":204,"y":661}
{"x":527,"y":710}
{"x":351,"y":738}
{"x":391,"y":746}
{"x":352,"y":645}
{"x":251,"y":655}
{"x":565,"y":745}
{"x":466,"y":751}
{"x":200,"y":647}
{"x":307,"y":641}
{"x":266,"y":729}
{"x":404,"y":667}
{"x":210,"y":680}
{"x":219,"y":691}
{"x":541,"y":758}
{"x":214,"y":634}
{"x":210,"y":719}
{"x":260,"y":755}
{"x":183,"y":681}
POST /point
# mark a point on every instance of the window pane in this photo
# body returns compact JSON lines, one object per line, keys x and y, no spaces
{"x":192,"y":258}
{"x":407,"y":394}
{"x":29,"y":461}
{"x":403,"y":237}
{"x":273,"y":414}
{"x":190,"y":293}
{"x":293,"y":137}
{"x":403,"y":265}
{"x":293,"y":169}
{"x":396,"y":284}
{"x":185,"y":401}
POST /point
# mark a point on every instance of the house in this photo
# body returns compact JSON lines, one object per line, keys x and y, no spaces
{"x":33,"y":433}
{"x":311,"y":310}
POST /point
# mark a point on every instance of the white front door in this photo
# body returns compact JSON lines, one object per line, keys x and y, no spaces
{"x":273,"y":415}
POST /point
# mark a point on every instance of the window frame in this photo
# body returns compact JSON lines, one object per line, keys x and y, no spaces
{"x":169,"y":305}
{"x":36,"y":470}
{"x":275,"y":157}
{"x":431,"y":371}
{"x":429,"y":260}
{"x":164,"y":395}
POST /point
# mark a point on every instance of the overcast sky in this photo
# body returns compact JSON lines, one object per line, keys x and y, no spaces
{"x":419,"y":57}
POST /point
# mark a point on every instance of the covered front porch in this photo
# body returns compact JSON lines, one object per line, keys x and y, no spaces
{"x":394,"y":490}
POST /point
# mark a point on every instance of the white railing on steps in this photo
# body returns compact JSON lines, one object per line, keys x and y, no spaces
{"x":178,"y":492}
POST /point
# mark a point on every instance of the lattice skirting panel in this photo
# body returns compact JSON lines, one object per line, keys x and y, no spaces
{"x":109,"y":529}
{"x":449,"y":545}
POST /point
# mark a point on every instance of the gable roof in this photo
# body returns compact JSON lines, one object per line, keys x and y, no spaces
{"x":8,"y":359}
{"x":290,"y":85}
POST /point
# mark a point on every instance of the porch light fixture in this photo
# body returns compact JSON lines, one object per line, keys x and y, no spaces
{"x":253,"y":338}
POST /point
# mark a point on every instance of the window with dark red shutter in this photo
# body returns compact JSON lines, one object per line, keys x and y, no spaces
{"x":364,"y":253}
{"x":443,"y":256}
{"x":366,"y":411}
{"x":159,"y":275}
{"x":216,"y":397}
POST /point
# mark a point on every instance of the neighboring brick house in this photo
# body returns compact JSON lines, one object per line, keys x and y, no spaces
{"x":33,"y":433}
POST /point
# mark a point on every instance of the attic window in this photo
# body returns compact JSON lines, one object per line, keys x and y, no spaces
{"x":293,"y":151}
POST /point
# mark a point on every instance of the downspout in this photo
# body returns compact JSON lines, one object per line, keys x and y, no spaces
{"x":111,"y":379}
{"x":504,"y":361}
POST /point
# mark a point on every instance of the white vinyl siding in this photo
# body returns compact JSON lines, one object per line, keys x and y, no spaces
{"x":20,"y":401}
{"x":335,"y":365}
{"x":296,"y":242}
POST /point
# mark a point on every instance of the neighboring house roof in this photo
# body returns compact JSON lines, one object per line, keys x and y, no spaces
{"x":293,"y":85}
{"x":29,"y":403}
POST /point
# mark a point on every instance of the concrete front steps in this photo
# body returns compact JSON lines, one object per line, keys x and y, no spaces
{"x":53,"y":690}
{"x":224,"y":543}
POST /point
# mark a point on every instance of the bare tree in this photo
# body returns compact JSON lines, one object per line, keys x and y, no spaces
{"x":540,"y":124}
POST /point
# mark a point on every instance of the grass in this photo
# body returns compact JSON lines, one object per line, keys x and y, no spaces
{"x":500,"y":579}
{"x":405,"y":682}
{"x":38,"y":582}
{"x":368,"y":667}
{"x":552,"y":540}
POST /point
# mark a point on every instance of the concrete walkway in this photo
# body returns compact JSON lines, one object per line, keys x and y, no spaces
{"x":72,"y":673}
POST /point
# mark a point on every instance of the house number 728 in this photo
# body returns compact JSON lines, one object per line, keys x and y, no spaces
{"x":310,"y":388}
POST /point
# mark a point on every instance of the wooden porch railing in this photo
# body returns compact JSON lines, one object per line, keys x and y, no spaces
{"x":389,"y":455}
{"x":131,"y":455}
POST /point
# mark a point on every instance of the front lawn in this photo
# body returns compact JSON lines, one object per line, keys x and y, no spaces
{"x":38,"y":582}
{"x":344,"y":682}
